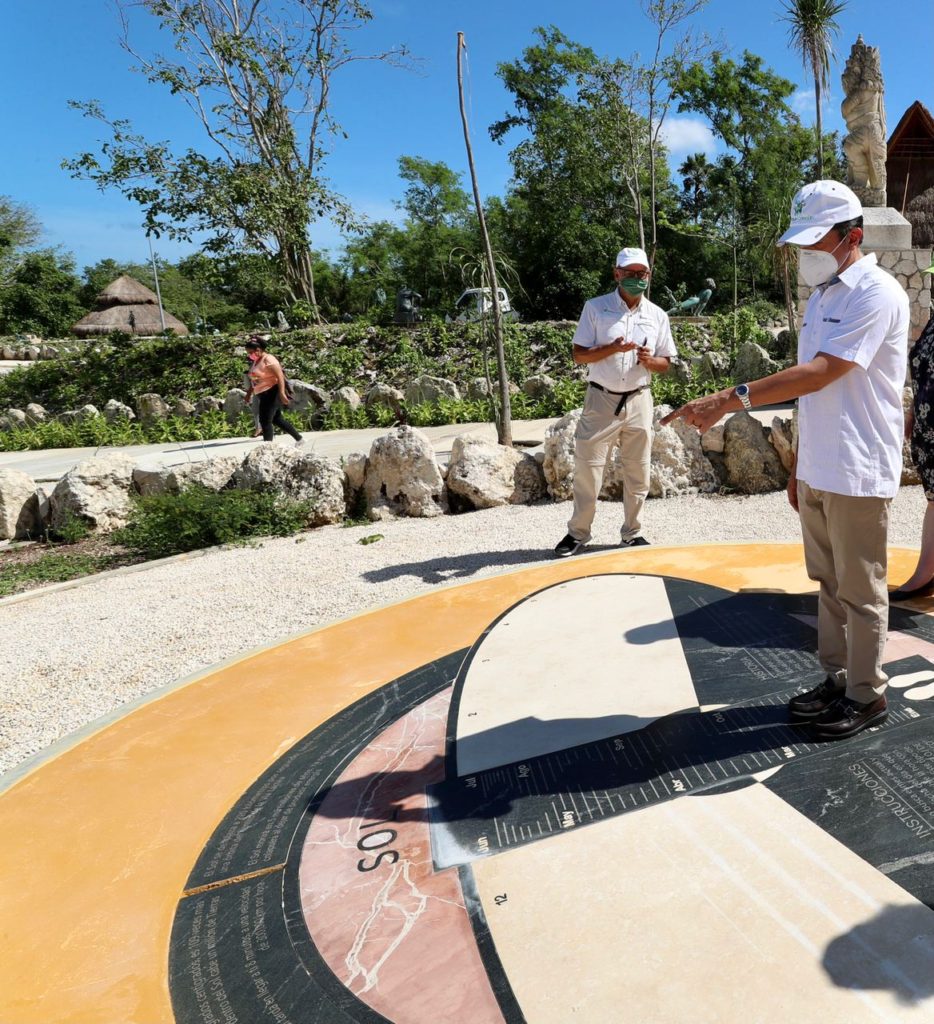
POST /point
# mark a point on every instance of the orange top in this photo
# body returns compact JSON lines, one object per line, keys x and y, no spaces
{"x":263,"y":375}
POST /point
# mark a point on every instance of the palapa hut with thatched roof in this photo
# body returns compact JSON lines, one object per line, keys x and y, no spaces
{"x":909,"y":164}
{"x":126,"y":305}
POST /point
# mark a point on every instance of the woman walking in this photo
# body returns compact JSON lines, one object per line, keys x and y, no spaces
{"x":267,"y":383}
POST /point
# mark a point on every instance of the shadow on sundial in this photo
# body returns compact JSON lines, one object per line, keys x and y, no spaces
{"x":896,"y":935}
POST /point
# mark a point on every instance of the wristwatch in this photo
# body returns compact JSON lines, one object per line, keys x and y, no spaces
{"x":742,"y":393}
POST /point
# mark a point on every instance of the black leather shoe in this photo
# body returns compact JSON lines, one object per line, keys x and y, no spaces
{"x":815,"y":702}
{"x":903,"y":595}
{"x":847,"y":717}
{"x":568,"y":546}
{"x":635,"y":542}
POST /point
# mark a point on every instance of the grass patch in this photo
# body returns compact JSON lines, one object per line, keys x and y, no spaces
{"x":52,"y":567}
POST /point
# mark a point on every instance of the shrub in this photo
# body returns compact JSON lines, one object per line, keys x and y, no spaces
{"x":97,"y":432}
{"x":168,"y":524}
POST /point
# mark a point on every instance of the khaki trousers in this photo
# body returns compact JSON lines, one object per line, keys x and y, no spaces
{"x":597,"y":431}
{"x":845,"y":551}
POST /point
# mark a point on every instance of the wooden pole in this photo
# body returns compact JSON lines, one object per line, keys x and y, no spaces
{"x":504,"y":421}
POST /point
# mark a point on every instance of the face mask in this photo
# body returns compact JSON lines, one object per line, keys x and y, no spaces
{"x":634,"y":286}
{"x":818,"y":267}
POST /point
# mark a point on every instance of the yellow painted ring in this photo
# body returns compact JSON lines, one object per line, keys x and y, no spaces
{"x":100,"y":838}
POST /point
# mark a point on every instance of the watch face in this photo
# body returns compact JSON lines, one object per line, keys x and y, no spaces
{"x":742,"y":390}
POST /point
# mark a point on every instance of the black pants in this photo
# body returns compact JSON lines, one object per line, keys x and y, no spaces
{"x":270,"y":412}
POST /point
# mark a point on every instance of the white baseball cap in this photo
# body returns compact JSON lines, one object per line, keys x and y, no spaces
{"x":816,"y":208}
{"x":632,"y":257}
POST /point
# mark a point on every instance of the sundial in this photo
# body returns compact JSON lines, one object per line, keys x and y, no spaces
{"x":598,"y":811}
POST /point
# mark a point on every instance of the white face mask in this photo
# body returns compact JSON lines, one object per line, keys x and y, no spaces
{"x":818,"y":267}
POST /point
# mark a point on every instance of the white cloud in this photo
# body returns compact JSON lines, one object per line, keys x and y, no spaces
{"x":683,"y":136}
{"x":802,"y":102}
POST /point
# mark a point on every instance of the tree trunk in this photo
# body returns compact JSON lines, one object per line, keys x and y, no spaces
{"x":819,"y":121}
{"x":504,"y":421}
{"x":298,"y":274}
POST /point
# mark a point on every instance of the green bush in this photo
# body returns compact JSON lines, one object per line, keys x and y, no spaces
{"x":730,"y":330}
{"x":168,"y":524}
{"x":668,"y":390}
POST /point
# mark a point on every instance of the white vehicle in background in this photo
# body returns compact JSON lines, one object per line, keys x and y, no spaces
{"x":478,"y":302}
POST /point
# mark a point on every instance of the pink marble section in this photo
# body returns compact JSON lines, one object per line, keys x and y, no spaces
{"x":897,"y":644}
{"x":392,"y":930}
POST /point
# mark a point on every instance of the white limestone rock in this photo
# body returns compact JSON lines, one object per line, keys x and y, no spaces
{"x":347,"y":396}
{"x":426,"y":388}
{"x":752,"y":464}
{"x":297,"y":475}
{"x":115,"y":411}
{"x":483,"y":475}
{"x":679,"y":465}
{"x":97,"y":491}
{"x":235,"y":405}
{"x":151,"y":407}
{"x":402,"y":476}
{"x":19,"y":506}
{"x":558,"y":464}
{"x":385,"y":396}
{"x":35,"y":413}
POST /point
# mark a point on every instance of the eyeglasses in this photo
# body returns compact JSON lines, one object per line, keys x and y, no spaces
{"x":642,"y":275}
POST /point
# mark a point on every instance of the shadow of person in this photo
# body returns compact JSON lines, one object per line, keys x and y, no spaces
{"x":893,"y":951}
{"x":746,"y":619}
{"x":455,"y":567}
{"x":690,"y":745}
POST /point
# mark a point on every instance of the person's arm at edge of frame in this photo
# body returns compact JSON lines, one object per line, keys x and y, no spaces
{"x":784,"y":386}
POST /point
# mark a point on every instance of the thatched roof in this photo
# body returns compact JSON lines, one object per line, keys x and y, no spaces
{"x":125,"y":291}
{"x":136,"y":318}
{"x":126,"y":305}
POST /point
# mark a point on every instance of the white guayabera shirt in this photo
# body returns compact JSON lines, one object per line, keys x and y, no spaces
{"x":607,"y":318}
{"x":850,"y":432}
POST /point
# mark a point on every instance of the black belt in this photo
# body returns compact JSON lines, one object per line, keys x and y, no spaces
{"x":622,"y":395}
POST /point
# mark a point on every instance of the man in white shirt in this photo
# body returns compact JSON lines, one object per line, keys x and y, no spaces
{"x":852,"y":359}
{"x":623,"y":339}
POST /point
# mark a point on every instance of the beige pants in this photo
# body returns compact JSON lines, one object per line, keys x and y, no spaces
{"x":596,"y":433}
{"x":845,"y":551}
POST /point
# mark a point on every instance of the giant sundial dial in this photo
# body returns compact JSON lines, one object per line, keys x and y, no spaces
{"x":566,"y":793}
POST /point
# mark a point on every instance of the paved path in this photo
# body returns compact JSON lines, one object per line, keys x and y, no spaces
{"x":52,"y":464}
{"x":45,"y":466}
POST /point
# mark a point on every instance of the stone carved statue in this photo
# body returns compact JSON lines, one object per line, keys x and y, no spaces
{"x":864,"y":112}
{"x":408,"y":306}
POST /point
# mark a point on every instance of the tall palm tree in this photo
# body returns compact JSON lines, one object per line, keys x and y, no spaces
{"x":696,"y":174}
{"x":812,"y":26}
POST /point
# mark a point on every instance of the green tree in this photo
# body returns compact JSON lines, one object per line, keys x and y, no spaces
{"x":437,"y":221}
{"x":566,"y":212}
{"x":812,"y":26}
{"x":41,"y":295}
{"x":259,"y":76}
{"x":19,"y":230}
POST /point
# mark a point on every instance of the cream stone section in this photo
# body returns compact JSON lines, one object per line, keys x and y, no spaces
{"x":711,"y":908}
{"x":580,"y":661}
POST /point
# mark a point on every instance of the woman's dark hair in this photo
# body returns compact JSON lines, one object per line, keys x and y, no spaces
{"x":256,"y":342}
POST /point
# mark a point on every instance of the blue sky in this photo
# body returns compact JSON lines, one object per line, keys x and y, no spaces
{"x":55,"y":50}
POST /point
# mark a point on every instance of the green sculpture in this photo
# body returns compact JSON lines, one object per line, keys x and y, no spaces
{"x":695,"y":305}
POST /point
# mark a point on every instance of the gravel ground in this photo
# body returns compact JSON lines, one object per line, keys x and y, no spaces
{"x":70,"y":657}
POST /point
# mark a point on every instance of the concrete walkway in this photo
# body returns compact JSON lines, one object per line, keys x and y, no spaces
{"x":52,"y":464}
